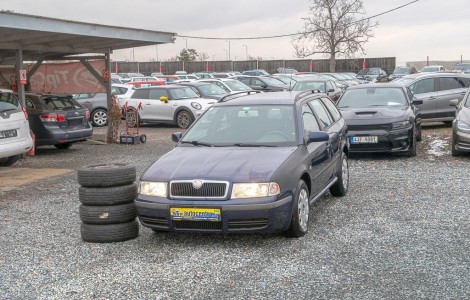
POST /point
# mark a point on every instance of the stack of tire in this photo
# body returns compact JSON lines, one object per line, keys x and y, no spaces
{"x":107,"y":210}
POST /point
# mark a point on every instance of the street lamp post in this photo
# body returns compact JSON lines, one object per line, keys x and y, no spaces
{"x":246,"y":51}
{"x":228,"y":49}
{"x":186,"y":43}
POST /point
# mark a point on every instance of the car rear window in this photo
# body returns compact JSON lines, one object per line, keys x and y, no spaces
{"x":60,"y":103}
{"x":9,"y":102}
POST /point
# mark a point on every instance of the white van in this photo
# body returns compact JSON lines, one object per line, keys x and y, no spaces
{"x":15,"y":138}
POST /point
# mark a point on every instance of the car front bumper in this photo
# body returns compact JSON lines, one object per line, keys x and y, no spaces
{"x":263,"y":215}
{"x":462,"y":141}
{"x":387,"y":141}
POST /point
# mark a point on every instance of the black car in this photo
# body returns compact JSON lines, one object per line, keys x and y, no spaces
{"x":326,"y":86}
{"x":262,"y":83}
{"x":381,"y":118}
{"x":205,"y":89}
{"x":251,"y":163}
{"x":57,"y":120}
{"x":399,"y":72}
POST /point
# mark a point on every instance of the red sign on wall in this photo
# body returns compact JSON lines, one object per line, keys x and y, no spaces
{"x":23,"y":77}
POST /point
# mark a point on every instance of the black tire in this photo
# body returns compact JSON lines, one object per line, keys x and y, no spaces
{"x":184,"y":119}
{"x":105,"y":175}
{"x":454,"y":151}
{"x":419,"y":135}
{"x":143,"y":138}
{"x":8,"y":161}
{"x":110,"y":214}
{"x":63,"y":145}
{"x":116,"y":195}
{"x":340,"y":188}
{"x":99,"y":117}
{"x":412,"y":151}
{"x":300,"y":212}
{"x":109,"y":233}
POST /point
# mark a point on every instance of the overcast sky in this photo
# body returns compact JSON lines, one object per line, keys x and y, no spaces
{"x":435,"y":28}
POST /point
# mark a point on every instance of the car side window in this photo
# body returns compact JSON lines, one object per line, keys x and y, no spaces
{"x":257,"y":82}
{"x":195,"y":90}
{"x":309,"y":120}
{"x":332,"y":108}
{"x":329,"y":86}
{"x":423,"y":86}
{"x":141,"y":94}
{"x":322,"y":113}
{"x":245,"y":80}
{"x":449,"y":83}
{"x":155,"y":94}
{"x":29,"y":104}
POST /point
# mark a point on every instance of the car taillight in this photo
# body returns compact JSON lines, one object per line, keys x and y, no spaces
{"x":25,"y":113}
{"x":52,"y":118}
{"x":87,"y":116}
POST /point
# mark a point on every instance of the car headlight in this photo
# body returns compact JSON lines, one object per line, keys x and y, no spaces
{"x":196,"y":105}
{"x":254,"y":190}
{"x":149,"y":188}
{"x":464,"y":127}
{"x":400,"y":125}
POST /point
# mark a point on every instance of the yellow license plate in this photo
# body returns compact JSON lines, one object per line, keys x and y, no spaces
{"x":195,"y":214}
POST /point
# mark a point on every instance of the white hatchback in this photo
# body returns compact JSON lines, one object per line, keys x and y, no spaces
{"x":15,"y":138}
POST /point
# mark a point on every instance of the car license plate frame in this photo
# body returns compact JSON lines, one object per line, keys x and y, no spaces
{"x":5,"y":134}
{"x":369,"y":139}
{"x":195,"y":214}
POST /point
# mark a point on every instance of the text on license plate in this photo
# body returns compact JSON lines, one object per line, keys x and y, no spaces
{"x":195,"y":214}
{"x":8,"y":134}
{"x":363,"y":140}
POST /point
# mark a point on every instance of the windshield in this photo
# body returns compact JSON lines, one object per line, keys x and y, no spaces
{"x":467,"y":100}
{"x":402,"y":71}
{"x":211,"y":89}
{"x":59,"y":103}
{"x":462,"y":67}
{"x":310,"y":85}
{"x":183,"y":93}
{"x":8,"y":102}
{"x":373,"y":96}
{"x":405,"y":81}
{"x":258,"y":125}
{"x":430,"y":69}
{"x":237,"y":86}
{"x":273,"y":81}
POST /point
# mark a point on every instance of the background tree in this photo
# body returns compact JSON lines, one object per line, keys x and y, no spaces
{"x":203,"y":56}
{"x":187,"y":55}
{"x":333,"y":29}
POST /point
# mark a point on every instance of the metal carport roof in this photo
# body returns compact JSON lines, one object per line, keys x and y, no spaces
{"x":42,"y":37}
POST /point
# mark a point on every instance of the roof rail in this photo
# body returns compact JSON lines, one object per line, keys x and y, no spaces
{"x":225,"y":98}
{"x":305,"y":93}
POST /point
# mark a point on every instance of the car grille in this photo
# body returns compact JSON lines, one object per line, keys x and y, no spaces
{"x":208,"y":190}
{"x":200,"y":225}
{"x":156,"y":221}
{"x":75,"y":122}
{"x":381,"y":146}
{"x":386,"y":127}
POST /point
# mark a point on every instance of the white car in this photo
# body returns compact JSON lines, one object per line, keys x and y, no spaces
{"x":15,"y":137}
{"x":229,"y":85}
{"x":173,"y":104}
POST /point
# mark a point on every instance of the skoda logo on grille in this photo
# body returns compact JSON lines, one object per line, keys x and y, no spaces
{"x":197,"y":184}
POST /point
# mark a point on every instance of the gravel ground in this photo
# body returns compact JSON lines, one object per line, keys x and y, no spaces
{"x":402,"y":232}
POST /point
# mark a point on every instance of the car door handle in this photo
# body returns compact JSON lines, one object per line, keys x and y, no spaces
{"x":432,"y":98}
{"x":148,"y":103}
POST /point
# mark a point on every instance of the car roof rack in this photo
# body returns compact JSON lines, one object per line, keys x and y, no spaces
{"x":306,"y":93}
{"x":226,"y":98}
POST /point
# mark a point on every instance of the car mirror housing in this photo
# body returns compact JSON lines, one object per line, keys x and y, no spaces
{"x":176,"y":137}
{"x":318,"y":136}
{"x":454,"y":102}
{"x":164,"y":99}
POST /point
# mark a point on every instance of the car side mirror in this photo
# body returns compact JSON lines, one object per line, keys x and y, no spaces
{"x":417,"y":101}
{"x":454,"y":102}
{"x":176,"y":137}
{"x":164,"y":99}
{"x":318,"y":136}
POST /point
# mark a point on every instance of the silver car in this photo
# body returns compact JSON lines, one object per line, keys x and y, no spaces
{"x":461,"y":126}
{"x":437,"y":90}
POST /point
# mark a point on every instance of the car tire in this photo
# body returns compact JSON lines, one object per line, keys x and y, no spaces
{"x":300,"y":212}
{"x":109,"y":233}
{"x":63,"y":145}
{"x":412,"y":151}
{"x":99,"y":117}
{"x":454,"y":151}
{"x":419,"y":135}
{"x":184,"y":119}
{"x":340,"y":188}
{"x":143,"y":138}
{"x":8,"y":161}
{"x":115,"y":195}
{"x":106,"y":175}
{"x":109,"y":214}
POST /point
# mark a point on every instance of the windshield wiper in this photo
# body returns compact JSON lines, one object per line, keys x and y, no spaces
{"x":197,"y":143}
{"x":252,"y":145}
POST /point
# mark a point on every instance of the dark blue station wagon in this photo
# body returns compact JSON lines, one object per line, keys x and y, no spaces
{"x":251,"y":163}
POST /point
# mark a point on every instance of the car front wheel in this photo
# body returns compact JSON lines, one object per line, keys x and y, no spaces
{"x":184,"y":119}
{"x":300,"y":211}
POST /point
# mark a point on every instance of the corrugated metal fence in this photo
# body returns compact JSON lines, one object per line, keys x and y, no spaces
{"x":304,"y":65}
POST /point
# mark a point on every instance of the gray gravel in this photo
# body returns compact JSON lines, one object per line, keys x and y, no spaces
{"x":402,"y":232}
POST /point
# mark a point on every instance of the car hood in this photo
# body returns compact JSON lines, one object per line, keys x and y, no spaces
{"x":237,"y":164}
{"x":373,"y":115}
{"x":464,"y":115}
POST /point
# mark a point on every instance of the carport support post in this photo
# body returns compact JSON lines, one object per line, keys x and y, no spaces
{"x":107,"y":66}
{"x":19,"y":66}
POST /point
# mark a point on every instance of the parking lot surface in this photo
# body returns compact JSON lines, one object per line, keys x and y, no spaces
{"x":402,"y":232}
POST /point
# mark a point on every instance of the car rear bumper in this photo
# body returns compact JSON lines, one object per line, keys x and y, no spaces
{"x":56,"y":135}
{"x":237,"y":216}
{"x":16,"y":147}
{"x":388,"y":141}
